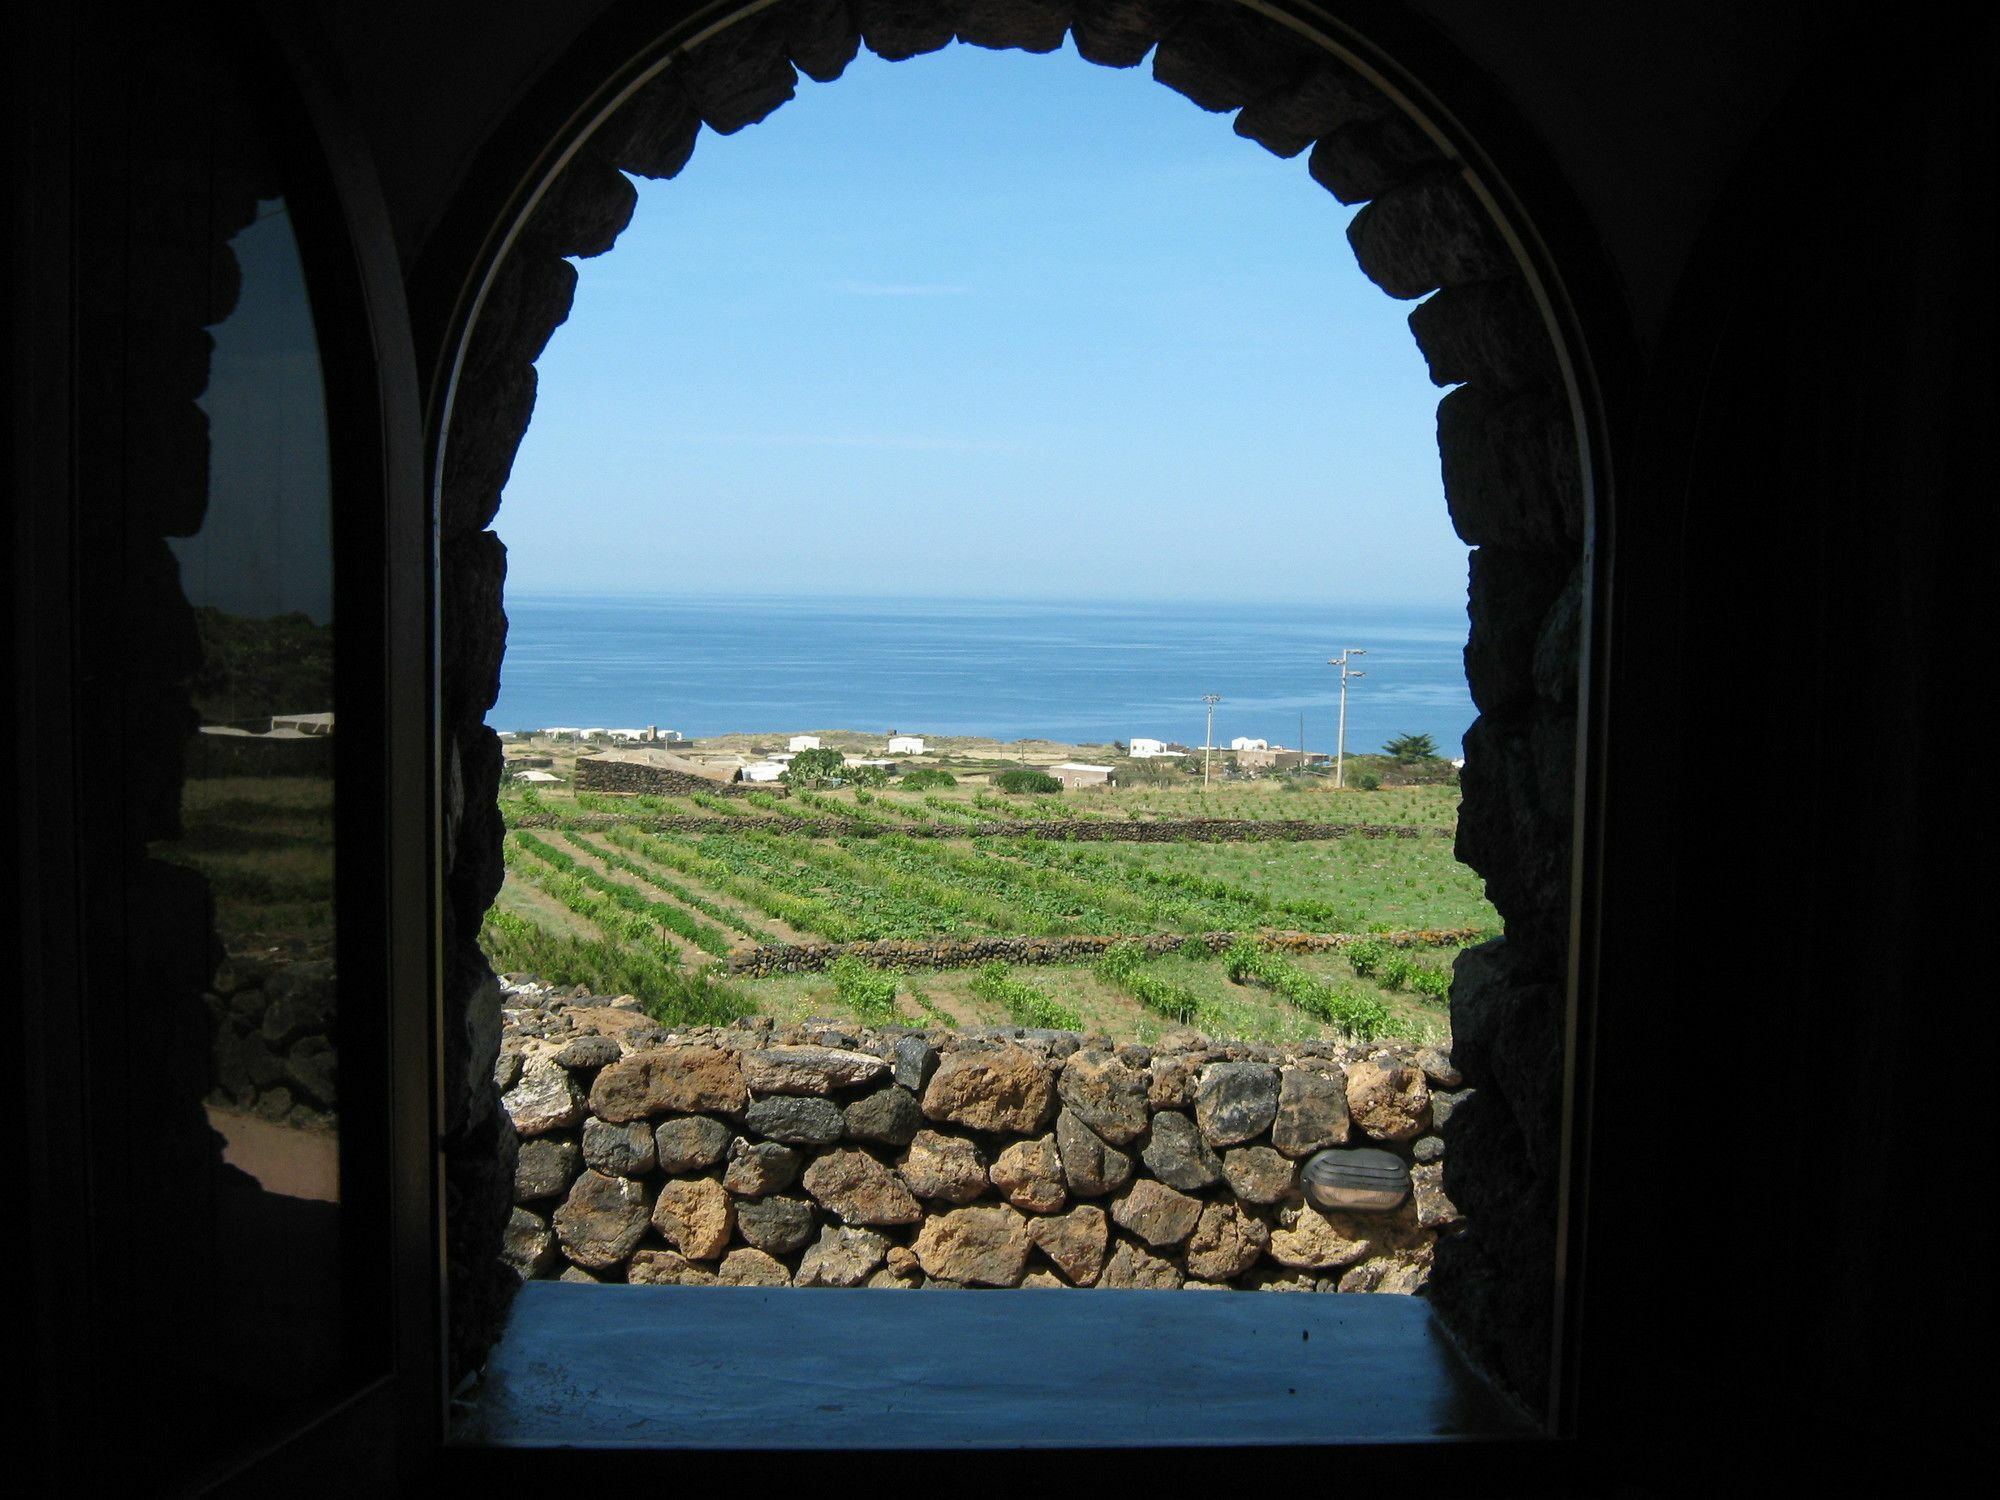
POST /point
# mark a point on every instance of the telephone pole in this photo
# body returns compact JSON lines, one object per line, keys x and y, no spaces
{"x":1340,"y":738}
{"x":1208,"y":739}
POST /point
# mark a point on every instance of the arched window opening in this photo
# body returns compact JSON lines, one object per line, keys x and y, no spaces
{"x":1511,"y":480}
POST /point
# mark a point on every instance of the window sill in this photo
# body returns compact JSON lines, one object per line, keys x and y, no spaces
{"x":750,"y":1368}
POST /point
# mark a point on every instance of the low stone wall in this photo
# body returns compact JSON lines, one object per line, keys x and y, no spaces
{"x":968,"y":953}
{"x":271,"y":1052}
{"x":1068,"y":830}
{"x":826,"y":1155}
{"x":594,"y":775}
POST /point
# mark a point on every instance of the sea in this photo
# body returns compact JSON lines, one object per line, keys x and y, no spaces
{"x":1003,"y":669}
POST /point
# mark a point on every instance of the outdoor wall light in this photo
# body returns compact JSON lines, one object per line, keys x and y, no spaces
{"x":1362,"y":1180}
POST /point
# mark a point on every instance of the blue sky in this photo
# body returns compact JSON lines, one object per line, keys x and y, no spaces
{"x":985,"y":324}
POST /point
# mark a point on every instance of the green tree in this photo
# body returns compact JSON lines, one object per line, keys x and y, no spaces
{"x":1023,"y":779}
{"x":814,"y":768}
{"x":1411,"y":748}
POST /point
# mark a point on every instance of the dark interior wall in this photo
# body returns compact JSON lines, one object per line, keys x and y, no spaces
{"x":1793,"y":851}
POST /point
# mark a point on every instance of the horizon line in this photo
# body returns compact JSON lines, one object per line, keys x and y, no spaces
{"x":573,"y":591}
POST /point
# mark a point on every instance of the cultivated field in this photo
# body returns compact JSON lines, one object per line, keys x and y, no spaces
{"x":619,"y":894}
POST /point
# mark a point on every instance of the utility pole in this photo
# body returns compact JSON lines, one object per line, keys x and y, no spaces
{"x":1208,"y":739}
{"x":1340,"y":738}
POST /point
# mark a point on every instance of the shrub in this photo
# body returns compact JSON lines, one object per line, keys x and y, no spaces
{"x":1368,"y":781}
{"x":1026,"y":1005}
{"x":814,"y":768}
{"x":1194,"y":948}
{"x":1021,"y":779}
{"x":924,"y":778}
{"x":864,"y":775}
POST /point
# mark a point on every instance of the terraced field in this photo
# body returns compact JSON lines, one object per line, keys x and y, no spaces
{"x":709,"y":906}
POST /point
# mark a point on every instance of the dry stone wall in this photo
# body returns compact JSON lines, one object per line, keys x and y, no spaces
{"x":1068,"y":948}
{"x":1067,"y":830}
{"x":829,"y":1155}
{"x":1512,"y":482}
{"x":593,"y":775}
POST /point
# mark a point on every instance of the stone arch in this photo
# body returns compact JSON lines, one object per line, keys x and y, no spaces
{"x":1514,"y":478}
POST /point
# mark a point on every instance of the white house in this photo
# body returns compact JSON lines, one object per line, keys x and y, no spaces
{"x":1144,"y":749}
{"x":1244,"y":742}
{"x":763,"y":770}
{"x":802,"y":742}
{"x":539,"y":778}
{"x":906,"y":744}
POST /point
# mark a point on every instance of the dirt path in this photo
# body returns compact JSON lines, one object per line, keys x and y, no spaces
{"x":295,"y":1163}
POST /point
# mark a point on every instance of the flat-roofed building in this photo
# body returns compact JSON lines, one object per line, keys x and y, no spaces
{"x":1074,"y":774}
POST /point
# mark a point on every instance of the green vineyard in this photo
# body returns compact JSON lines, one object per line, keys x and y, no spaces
{"x":810,"y":902}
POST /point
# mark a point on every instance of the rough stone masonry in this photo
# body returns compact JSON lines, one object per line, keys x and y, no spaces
{"x":823,"y":1154}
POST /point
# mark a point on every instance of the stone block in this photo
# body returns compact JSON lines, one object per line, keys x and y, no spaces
{"x":1106,"y":1094}
{"x":545,"y":1098}
{"x":583,"y":211}
{"x":1312,"y":1112}
{"x":820,"y":36}
{"x":1156,"y":1213}
{"x":898,"y":29}
{"x":600,"y":1222}
{"x":622,"y":1150}
{"x":1029,"y":1175}
{"x":1363,"y":161}
{"x":1009,"y":1090}
{"x":1510,"y":470}
{"x":842,"y":1256}
{"x":984,"y":1246}
{"x":691,"y":1143}
{"x":1236,"y":1101}
{"x":1509,"y":597}
{"x":529,"y":1245}
{"x":1076,"y":1241}
{"x":889,"y":1115}
{"x":941,"y":1167}
{"x":1291,"y":117}
{"x":1258,"y":1174}
{"x":1131,"y":1268}
{"x":797,"y":1121}
{"x":775,"y":1225}
{"x":1119,"y":33}
{"x":545,"y":1168}
{"x":677,"y":1080}
{"x":1090,"y":1166}
{"x":1223,"y":56}
{"x":1176,"y":1154}
{"x":1388,"y":1099}
{"x":1428,"y":233}
{"x":857,"y":1189}
{"x":809,"y":1070}
{"x":757,"y":1168}
{"x":1486,"y":333}
{"x":696,"y":1216}
{"x":1226,"y":1242}
{"x":750,"y":1267}
{"x":1021,"y":25}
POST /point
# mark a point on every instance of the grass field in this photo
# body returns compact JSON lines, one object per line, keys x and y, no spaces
{"x":677,"y":903}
